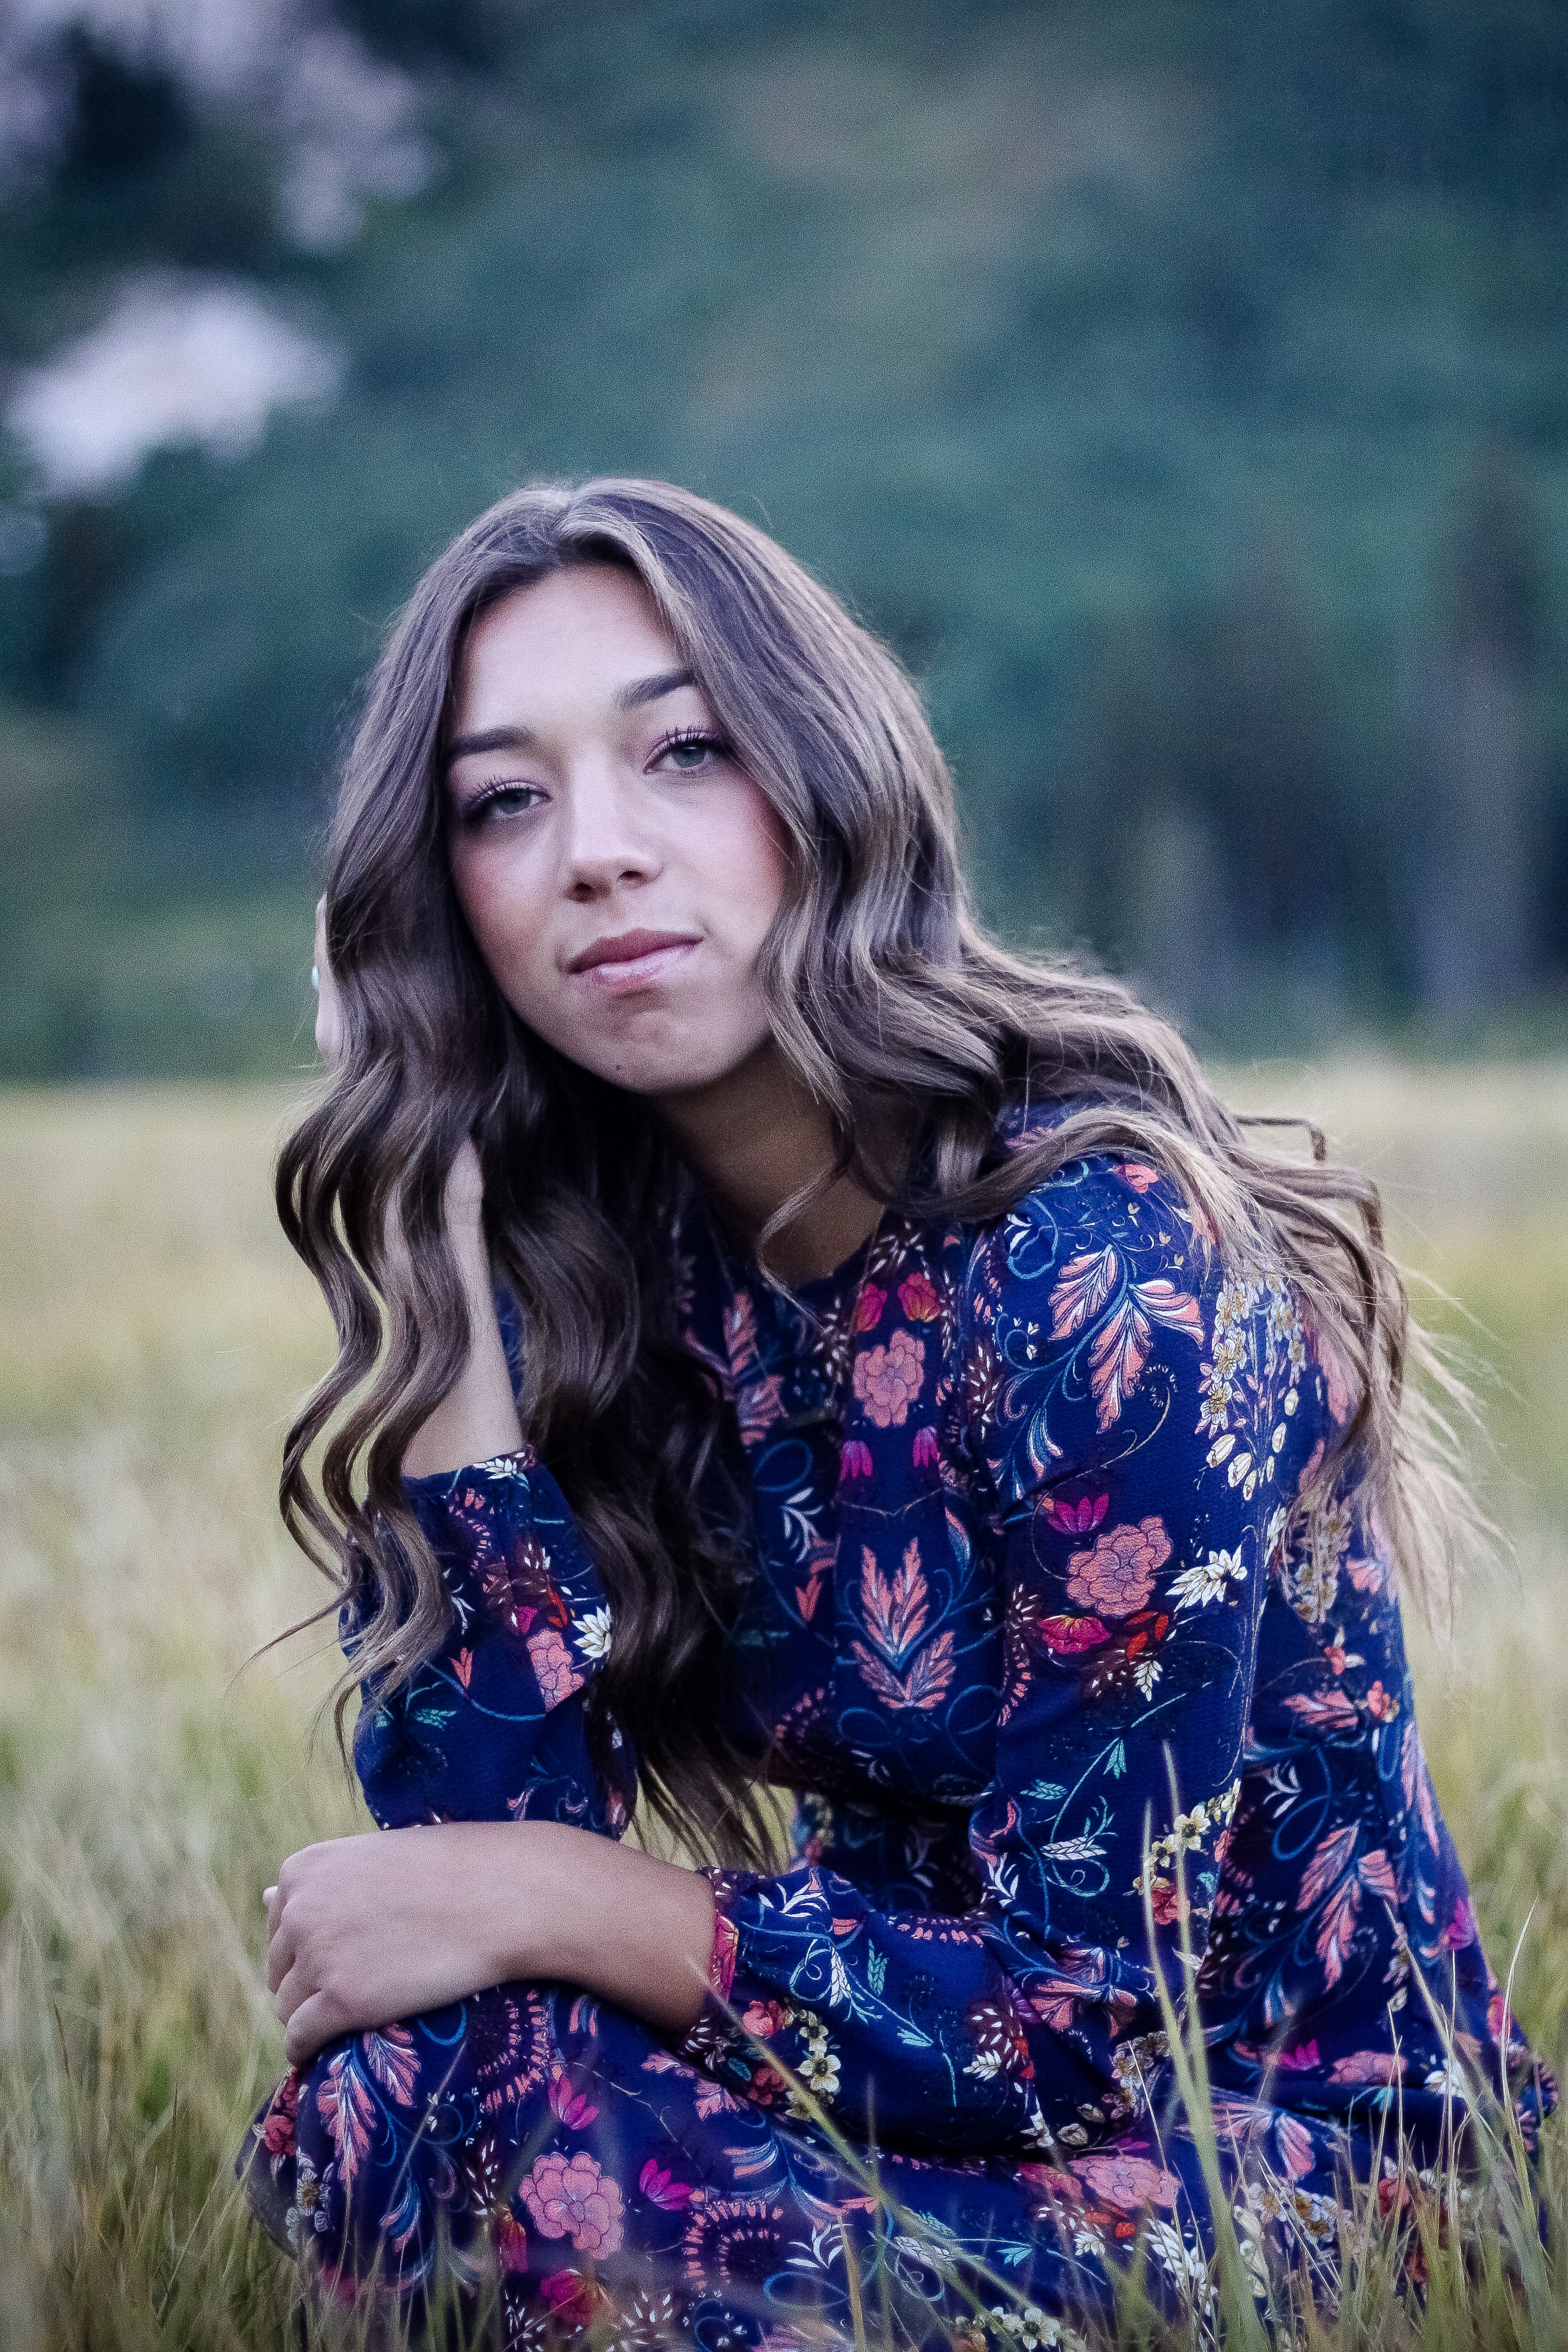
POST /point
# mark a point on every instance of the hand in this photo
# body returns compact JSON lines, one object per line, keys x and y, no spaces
{"x":329,"y":1005}
{"x":478,"y":1418}
{"x":363,"y":1929}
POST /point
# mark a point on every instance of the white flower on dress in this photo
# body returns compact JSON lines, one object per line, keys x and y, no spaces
{"x":1209,"y":1580}
{"x":819,"y":2071}
{"x":592,"y":1634}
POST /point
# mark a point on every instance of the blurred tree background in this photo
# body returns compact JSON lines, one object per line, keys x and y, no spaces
{"x":1180,"y":385}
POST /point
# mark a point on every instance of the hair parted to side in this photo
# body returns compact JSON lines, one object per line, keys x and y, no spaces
{"x":884,"y":994}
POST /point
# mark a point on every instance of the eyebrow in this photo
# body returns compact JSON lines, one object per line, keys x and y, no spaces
{"x":653,"y":689}
{"x":634,"y":696}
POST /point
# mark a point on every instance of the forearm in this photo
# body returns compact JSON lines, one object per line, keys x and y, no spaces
{"x":478,"y":1418}
{"x":369,"y":1928}
{"x":636,"y":1930}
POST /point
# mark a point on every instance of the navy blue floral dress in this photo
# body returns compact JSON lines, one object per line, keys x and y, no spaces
{"x":1032,"y":1645}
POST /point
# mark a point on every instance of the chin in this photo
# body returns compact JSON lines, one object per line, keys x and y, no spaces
{"x":671,"y":1056}
{"x":654,"y":1078}
{"x":669,"y":1070}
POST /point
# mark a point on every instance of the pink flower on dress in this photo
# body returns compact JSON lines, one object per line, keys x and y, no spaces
{"x":570,"y":2104}
{"x":1302,"y":2060}
{"x":1065,"y":1636}
{"x":571,"y":2196}
{"x":888,"y":1380}
{"x":1368,"y":2066}
{"x":1126,"y":2181}
{"x":1118,"y":1576}
{"x":573,"y":2300}
{"x":917,"y":1296}
{"x":659,"y":2185}
{"x":925,"y":1447}
{"x":856,"y":1459}
{"x":1461,"y":1929}
{"x":725,"y":1952}
{"x":1080,"y":1518}
{"x":553,"y":1665}
{"x":764,"y":2019}
{"x":1137,"y":1175}
{"x":869,"y":1309}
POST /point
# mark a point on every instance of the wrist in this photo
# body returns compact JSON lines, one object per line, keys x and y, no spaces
{"x":582,"y":1910}
{"x":472,"y":1253}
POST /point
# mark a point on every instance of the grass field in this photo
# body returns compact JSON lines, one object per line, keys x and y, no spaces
{"x":155,"y":1332}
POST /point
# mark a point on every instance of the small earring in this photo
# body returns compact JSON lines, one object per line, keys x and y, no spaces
{"x":315,"y":980}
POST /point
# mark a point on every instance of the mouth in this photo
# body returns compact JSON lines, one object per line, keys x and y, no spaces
{"x":633,"y":960}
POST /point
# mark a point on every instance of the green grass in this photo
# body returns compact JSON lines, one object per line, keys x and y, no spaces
{"x":156,"y":1333}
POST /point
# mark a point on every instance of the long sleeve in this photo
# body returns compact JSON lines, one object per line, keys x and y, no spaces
{"x":1070,"y":1438}
{"x":492,"y":1727}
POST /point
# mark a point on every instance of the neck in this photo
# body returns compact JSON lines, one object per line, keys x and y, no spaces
{"x":754,"y":1138}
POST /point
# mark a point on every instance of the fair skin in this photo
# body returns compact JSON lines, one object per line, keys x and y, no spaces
{"x":619,"y":872}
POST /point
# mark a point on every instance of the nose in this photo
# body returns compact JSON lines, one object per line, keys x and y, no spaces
{"x":607,"y":845}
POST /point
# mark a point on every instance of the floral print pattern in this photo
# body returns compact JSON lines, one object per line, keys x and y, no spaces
{"x":570,"y":2196}
{"x":1038,"y":1644}
{"x":1118,"y":1576}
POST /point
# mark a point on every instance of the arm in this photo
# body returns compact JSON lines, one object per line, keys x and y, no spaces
{"x":496,"y":1857}
{"x":478,"y":1418}
{"x":1129,"y":1565}
{"x":364,"y":1929}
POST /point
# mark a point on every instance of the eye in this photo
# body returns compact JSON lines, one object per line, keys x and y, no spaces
{"x":690,"y":751}
{"x":497,"y":801}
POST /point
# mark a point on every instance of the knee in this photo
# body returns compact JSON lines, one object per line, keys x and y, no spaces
{"x":362,"y":2191}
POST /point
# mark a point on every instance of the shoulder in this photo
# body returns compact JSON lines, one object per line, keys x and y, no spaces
{"x":1085,"y":1313}
{"x":1097,"y":1226}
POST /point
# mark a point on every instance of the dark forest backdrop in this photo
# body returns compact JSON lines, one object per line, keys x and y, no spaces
{"x":1181,"y":387}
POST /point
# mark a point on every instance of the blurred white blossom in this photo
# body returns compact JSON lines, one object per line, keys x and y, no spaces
{"x":179,"y":362}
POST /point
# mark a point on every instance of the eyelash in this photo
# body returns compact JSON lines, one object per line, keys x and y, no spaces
{"x":473,"y":812}
{"x":702,"y":735}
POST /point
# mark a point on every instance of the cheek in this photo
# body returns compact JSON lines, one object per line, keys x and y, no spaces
{"x":504,"y":911}
{"x":747,"y":861}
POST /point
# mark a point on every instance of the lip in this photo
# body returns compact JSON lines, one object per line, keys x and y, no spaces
{"x":633,"y":958}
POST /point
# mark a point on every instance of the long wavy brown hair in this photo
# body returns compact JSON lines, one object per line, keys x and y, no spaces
{"x":886,"y":998}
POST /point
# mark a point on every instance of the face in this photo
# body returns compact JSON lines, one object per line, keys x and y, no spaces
{"x":617,"y":869}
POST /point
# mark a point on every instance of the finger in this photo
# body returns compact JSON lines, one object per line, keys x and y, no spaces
{"x":296,"y":1985}
{"x":315,"y":2022}
{"x":281,"y":1956}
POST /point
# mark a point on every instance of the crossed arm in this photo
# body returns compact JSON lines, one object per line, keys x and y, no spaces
{"x":363,"y":1929}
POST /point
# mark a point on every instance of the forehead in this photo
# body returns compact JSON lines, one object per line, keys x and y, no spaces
{"x":575,"y":637}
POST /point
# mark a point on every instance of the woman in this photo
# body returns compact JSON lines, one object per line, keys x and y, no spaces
{"x":793,"y":1341}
